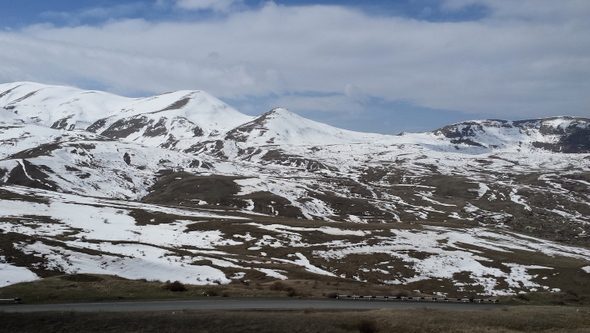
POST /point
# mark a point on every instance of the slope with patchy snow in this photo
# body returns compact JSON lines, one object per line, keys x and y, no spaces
{"x":136,"y":240}
{"x":458,"y":205}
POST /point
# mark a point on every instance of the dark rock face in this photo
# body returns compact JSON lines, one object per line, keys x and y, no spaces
{"x":240,"y":133}
{"x":25,"y":97}
{"x":127,"y":158}
{"x":97,"y":125}
{"x":281,"y":158}
{"x":464,"y":133}
{"x":41,"y":150}
{"x":30,"y":175}
{"x":200,"y":164}
{"x":577,"y":141}
{"x":157,"y":129}
{"x":176,"y":105}
{"x":151,"y":128}
{"x":8,"y":91}
{"x":61,"y":124}
{"x":170,"y":142}
{"x":124,"y":127}
{"x":212,"y":148}
{"x":197,"y":131}
{"x":574,"y":141}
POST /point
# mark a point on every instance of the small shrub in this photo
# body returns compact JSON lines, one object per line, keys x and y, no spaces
{"x":211,"y":292}
{"x":291,"y":292}
{"x":175,"y":286}
{"x":82,"y":278}
{"x":367,"y":326}
{"x":278,"y":286}
{"x":332,"y":295}
{"x":402,"y":293}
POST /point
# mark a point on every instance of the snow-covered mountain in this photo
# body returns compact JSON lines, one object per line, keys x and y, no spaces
{"x":559,"y":134}
{"x":447,"y":204}
{"x":56,"y":106}
{"x":170,"y":118}
{"x":279,"y":126}
{"x":157,"y":120}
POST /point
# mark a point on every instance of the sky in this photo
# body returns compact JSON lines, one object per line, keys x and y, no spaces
{"x":377,"y":66}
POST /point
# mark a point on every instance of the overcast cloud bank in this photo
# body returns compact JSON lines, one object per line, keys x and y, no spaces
{"x":524,"y":59}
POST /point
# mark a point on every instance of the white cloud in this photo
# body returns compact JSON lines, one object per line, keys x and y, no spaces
{"x":355,"y":93}
{"x":99,"y":13}
{"x":215,"y":5}
{"x":330,"y":103}
{"x":518,"y":67}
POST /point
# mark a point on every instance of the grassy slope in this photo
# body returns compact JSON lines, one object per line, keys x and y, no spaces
{"x":86,"y":287}
{"x":91,"y":287}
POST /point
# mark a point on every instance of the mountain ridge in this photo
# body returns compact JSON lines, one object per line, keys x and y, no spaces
{"x":167,"y":119}
{"x":181,"y":186}
{"x":564,"y":133}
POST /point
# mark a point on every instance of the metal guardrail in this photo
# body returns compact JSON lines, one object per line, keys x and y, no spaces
{"x":419,"y":299}
{"x":14,"y":300}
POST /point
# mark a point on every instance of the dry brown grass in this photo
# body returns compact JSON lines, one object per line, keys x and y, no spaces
{"x":508,"y":320}
{"x":90,"y":287}
{"x":86,"y":287}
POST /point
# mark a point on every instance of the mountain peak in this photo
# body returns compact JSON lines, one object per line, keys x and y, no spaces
{"x":281,"y":126}
{"x":280,"y":111}
{"x":280,"y":114}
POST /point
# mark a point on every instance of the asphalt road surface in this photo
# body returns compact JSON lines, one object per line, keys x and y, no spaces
{"x":241,"y":304}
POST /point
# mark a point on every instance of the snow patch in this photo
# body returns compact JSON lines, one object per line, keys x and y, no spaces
{"x":10,"y":274}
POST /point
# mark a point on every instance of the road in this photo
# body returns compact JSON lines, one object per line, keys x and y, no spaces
{"x":241,"y":304}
